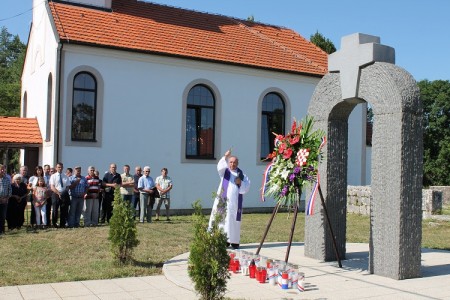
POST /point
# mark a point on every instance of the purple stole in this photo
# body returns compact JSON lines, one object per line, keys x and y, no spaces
{"x":225,"y":183}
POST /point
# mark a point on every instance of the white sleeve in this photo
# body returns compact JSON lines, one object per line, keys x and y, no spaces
{"x":245,"y":185}
{"x":222,"y":165}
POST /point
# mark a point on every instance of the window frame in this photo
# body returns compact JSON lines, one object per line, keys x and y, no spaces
{"x":269,"y":115}
{"x":95,"y":107}
{"x":198,"y":122}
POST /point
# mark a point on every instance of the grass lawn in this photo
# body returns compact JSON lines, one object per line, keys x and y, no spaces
{"x":56,"y":255}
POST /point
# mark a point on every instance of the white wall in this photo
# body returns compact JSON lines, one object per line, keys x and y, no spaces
{"x":142,"y":119}
{"x":40,"y":62}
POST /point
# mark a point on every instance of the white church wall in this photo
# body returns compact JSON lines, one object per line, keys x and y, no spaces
{"x":142,"y":118}
{"x":357,"y":146}
{"x":40,"y":63}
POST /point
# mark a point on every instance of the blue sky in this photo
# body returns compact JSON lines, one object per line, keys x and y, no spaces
{"x":419,"y":30}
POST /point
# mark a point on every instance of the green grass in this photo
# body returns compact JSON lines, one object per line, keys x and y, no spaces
{"x":83,"y":254}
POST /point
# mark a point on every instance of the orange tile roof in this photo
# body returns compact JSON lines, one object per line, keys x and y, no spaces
{"x":159,"y":29}
{"x":16,"y":131}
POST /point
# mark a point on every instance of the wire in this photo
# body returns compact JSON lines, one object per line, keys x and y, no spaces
{"x":18,"y":15}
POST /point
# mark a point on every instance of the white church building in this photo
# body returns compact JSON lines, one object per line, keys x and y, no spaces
{"x":138,"y":83}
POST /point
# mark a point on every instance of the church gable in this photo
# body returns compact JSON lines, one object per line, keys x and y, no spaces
{"x":158,"y":29}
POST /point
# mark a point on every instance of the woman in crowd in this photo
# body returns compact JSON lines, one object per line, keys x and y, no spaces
{"x":32,"y":183}
{"x":17,"y":203}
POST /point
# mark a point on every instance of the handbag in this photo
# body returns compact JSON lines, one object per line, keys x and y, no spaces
{"x":155,"y":193}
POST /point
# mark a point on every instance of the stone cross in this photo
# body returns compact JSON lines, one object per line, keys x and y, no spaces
{"x":357,"y":51}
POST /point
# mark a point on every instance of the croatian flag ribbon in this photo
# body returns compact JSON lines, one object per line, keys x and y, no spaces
{"x":312,"y":198}
{"x":265,"y":180}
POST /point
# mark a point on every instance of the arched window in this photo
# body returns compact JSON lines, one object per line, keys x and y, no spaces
{"x":84,"y":107}
{"x":48,"y":127}
{"x":272,"y":120}
{"x":200,"y":119}
{"x":24,"y":105}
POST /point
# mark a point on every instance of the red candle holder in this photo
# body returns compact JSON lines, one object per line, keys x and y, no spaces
{"x":258,"y":274}
{"x":237,"y":266}
{"x":252,"y":271}
{"x":263,"y":275}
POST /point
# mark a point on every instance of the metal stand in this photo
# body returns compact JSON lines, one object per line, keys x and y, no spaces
{"x":294,"y":220}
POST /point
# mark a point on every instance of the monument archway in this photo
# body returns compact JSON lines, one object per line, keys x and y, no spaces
{"x":364,"y":70}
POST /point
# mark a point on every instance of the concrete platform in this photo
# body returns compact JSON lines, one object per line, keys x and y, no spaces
{"x":324,"y":280}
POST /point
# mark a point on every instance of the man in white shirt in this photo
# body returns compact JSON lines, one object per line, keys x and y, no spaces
{"x":59,"y":184}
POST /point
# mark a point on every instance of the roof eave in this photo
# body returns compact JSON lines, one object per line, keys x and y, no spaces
{"x":65,"y":41}
{"x":19,"y":145}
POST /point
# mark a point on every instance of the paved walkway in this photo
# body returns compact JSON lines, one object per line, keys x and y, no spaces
{"x":323,"y":281}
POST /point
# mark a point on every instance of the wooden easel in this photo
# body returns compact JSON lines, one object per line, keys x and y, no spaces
{"x":294,"y":220}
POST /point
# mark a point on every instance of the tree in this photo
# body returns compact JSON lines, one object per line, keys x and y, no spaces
{"x":435,"y":96}
{"x":208,"y":257}
{"x":122,"y":230}
{"x":12,"y":54}
{"x":323,"y":43}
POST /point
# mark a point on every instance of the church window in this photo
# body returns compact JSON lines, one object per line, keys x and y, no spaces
{"x":272,"y":120}
{"x":200,"y":114}
{"x":48,"y":127}
{"x":84,"y":107}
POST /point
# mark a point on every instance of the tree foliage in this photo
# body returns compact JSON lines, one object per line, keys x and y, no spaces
{"x":435,"y":96}
{"x":323,"y":43}
{"x":122,"y":230}
{"x":208,"y":257}
{"x":12,"y":53}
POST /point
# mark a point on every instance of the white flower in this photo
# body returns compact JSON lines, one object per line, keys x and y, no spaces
{"x":284,"y":174}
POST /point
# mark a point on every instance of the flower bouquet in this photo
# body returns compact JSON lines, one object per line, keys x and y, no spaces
{"x":295,"y":161}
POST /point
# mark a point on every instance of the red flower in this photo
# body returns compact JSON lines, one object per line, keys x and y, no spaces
{"x":287,"y":153}
{"x":281,"y":148}
{"x":294,"y":140}
{"x":278,"y":139}
{"x":294,"y":127}
{"x":271,"y":155}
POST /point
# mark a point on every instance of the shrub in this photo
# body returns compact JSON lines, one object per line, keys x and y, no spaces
{"x":208,"y":258}
{"x":122,"y":230}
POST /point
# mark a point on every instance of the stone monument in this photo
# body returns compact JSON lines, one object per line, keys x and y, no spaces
{"x":364,"y":71}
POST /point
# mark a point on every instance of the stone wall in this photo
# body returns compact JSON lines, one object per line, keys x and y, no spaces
{"x":445,"y":193}
{"x":359,"y":197}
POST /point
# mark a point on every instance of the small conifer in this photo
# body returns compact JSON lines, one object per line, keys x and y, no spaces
{"x":122,"y":230}
{"x":208,"y":258}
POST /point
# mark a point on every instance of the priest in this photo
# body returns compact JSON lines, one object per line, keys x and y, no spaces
{"x":233,"y":185}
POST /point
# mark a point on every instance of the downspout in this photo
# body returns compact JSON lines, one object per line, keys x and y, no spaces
{"x":56,"y":157}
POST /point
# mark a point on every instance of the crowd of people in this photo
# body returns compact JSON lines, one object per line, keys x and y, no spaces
{"x":59,"y":198}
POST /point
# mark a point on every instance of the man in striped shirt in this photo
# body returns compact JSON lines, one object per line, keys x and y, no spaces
{"x":90,"y":215}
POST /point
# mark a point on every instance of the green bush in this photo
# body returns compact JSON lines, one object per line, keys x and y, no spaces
{"x":208,"y":258}
{"x":122,"y":230}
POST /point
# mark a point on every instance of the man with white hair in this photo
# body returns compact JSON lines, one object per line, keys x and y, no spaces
{"x":145,"y":187}
{"x":233,"y":184}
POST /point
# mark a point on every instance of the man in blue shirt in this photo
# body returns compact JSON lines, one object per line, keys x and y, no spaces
{"x":78,"y":186}
{"x":147,"y":200}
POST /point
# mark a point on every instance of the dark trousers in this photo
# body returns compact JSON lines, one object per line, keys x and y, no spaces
{"x":55,"y":209}
{"x":49,"y":210}
{"x":107,"y":208}
{"x":3,"y":208}
{"x":33,"y":212}
{"x":63,"y":211}
{"x":15,"y":213}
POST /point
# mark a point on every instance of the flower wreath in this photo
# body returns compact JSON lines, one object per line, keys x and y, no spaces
{"x":295,"y":161}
